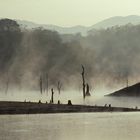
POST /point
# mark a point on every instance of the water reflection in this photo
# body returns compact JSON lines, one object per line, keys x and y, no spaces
{"x":81,"y":126}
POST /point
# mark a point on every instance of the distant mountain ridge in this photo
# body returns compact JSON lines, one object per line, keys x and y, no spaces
{"x":118,"y":21}
{"x":131,"y":91}
{"x":61,"y":30}
{"x":113,"y":21}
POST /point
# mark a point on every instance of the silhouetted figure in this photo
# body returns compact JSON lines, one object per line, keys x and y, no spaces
{"x":52,"y":96}
{"x":109,"y":105}
{"x":69,"y":102}
{"x":87,"y":90}
{"x":39,"y":101}
{"x":46,"y":102}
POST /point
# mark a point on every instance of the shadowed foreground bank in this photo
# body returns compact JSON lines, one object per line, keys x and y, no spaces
{"x":38,"y":108}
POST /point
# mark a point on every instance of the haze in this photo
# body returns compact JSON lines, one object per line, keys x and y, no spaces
{"x":67,"y":12}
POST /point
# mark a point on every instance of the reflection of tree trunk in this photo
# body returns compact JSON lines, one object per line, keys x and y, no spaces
{"x":83,"y":78}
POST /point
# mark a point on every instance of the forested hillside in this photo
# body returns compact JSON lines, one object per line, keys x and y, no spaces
{"x":110,"y":56}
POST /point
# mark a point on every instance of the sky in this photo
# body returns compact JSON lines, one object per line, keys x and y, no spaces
{"x":67,"y":13}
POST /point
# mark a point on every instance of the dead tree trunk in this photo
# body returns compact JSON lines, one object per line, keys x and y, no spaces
{"x":44,"y":83}
{"x":47,"y":83}
{"x":87,"y":90}
{"x":59,"y":86}
{"x":41,"y":84}
{"x":7,"y":84}
{"x":52,"y":96}
{"x":127,"y":82}
{"x":83,"y":79}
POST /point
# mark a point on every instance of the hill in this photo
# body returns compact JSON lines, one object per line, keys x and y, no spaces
{"x":131,"y":91}
{"x":113,"y":21}
{"x":117,"y":21}
{"x":61,"y":30}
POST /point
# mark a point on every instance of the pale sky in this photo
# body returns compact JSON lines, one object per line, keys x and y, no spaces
{"x":67,"y":12}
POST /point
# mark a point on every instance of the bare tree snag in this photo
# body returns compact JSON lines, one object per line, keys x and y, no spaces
{"x":41,"y":86}
{"x":127,"y":82}
{"x":47,"y":83}
{"x":44,"y":83}
{"x":59,"y":86}
{"x":87,"y":90}
{"x":83,"y":78}
{"x":7,"y":84}
{"x":52,"y":96}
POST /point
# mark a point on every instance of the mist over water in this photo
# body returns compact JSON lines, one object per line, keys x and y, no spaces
{"x":111,"y":60}
{"x":110,"y":56}
{"x":97,"y":97}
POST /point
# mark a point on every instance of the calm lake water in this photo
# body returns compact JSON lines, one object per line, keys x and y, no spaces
{"x":81,"y":126}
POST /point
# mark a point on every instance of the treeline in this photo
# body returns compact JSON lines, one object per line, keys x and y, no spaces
{"x":108,"y":55}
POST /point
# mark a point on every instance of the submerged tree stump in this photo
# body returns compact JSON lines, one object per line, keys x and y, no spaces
{"x":69,"y":102}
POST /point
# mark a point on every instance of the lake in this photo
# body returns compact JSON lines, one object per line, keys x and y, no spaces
{"x":80,"y":126}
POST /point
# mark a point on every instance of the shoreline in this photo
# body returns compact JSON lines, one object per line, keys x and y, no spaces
{"x":15,"y":107}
